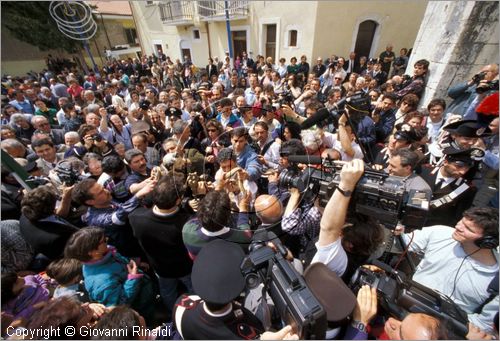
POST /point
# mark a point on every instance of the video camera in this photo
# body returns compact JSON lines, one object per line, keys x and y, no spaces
{"x":399,"y":296}
{"x":377,"y":194}
{"x":294,"y":301}
{"x":358,"y":104}
{"x":67,"y":174}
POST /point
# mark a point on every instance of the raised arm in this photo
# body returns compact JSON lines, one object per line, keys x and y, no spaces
{"x":333,"y":219}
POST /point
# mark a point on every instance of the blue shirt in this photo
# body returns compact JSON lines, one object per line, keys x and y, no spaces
{"x":24,"y":106}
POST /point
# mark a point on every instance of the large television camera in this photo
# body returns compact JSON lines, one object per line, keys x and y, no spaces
{"x":399,"y":296}
{"x":377,"y":194}
{"x":294,"y":301}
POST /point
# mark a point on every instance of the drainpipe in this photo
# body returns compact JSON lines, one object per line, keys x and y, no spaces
{"x":208,"y":39}
{"x":106,"y":31}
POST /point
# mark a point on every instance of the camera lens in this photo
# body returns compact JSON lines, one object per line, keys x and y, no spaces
{"x":252,"y":280}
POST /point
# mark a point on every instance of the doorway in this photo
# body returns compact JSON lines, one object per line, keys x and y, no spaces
{"x":271,"y":41}
{"x":239,"y":42}
{"x":158,"y":49}
{"x":186,"y":53}
{"x":364,"y":40}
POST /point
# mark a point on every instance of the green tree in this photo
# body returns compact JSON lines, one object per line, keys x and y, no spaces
{"x":31,"y":22}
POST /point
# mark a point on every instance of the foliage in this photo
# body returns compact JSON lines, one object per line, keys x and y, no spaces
{"x":31,"y":22}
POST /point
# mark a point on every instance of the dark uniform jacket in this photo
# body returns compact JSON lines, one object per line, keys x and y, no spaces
{"x":194,"y":323}
{"x":449,"y":213}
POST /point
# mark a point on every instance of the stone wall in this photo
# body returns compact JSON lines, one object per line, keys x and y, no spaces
{"x":457,"y":38}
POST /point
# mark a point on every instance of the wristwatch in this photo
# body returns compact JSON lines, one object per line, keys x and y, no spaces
{"x":359,"y":326}
{"x":346,"y":194}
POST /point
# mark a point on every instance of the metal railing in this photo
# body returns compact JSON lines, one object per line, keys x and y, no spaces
{"x":215,"y":8}
{"x":176,"y":11}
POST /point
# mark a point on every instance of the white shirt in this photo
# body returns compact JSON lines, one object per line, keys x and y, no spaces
{"x":443,"y":259}
{"x":332,"y":255}
{"x":358,"y":153}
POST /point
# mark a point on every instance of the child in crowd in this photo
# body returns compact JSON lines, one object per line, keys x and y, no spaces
{"x":110,"y":278}
{"x":68,"y":274}
{"x":20,"y":295}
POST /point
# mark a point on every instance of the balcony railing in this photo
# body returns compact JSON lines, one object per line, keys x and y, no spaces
{"x":215,"y":10}
{"x":176,"y":12}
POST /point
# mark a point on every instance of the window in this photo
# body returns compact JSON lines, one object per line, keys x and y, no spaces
{"x":131,"y":35}
{"x":196,"y":34}
{"x":149,"y":3}
{"x":292,"y":39}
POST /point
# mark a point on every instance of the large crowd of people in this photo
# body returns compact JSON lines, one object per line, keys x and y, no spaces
{"x":132,"y":196}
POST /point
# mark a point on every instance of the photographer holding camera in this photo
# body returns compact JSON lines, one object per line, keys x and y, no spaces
{"x":340,"y":246}
{"x":91,"y":141}
{"x":464,"y":94}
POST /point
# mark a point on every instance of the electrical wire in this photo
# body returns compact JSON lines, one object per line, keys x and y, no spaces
{"x":456,"y":275}
{"x":405,"y":251}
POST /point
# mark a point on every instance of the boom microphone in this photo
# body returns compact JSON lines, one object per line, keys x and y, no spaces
{"x":321,"y":115}
{"x":306,"y":159}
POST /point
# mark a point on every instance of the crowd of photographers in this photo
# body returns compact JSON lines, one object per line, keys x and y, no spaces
{"x":250,"y":199}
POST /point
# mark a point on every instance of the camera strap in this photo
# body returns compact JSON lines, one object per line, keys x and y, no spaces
{"x":266,"y":311}
{"x":449,"y":197}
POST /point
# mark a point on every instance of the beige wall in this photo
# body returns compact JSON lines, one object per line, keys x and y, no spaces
{"x":399,"y":22}
{"x":324,"y":28}
{"x":296,"y":15}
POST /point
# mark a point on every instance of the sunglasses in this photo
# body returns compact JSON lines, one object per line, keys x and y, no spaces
{"x":212,"y":130}
{"x":338,"y":78}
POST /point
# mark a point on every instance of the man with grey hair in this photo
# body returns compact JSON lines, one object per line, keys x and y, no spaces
{"x":89,"y":98}
{"x":182,"y":133}
{"x":402,"y":163}
{"x":24,"y":130}
{"x":139,"y":173}
{"x":71,"y":138}
{"x":41,"y":124}
{"x":14,"y":148}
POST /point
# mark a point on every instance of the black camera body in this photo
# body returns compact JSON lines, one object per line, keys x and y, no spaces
{"x":111,"y":110}
{"x":286,"y":97}
{"x":97,"y":138}
{"x":478,"y":77}
{"x":376,"y":194}
{"x":489,"y":86}
{"x":294,"y":301}
{"x":399,"y":296}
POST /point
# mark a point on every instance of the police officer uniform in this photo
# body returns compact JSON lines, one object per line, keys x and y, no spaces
{"x":465,"y":128}
{"x":217,"y":279}
{"x":406,"y":133}
{"x":450,"y":196}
